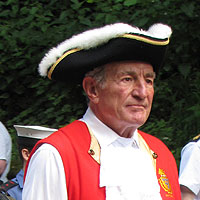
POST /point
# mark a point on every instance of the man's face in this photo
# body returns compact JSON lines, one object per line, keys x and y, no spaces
{"x":126,"y":96}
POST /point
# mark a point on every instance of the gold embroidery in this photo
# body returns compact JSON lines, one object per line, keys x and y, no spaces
{"x":164,"y":182}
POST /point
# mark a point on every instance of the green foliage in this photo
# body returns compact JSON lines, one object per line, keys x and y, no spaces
{"x":29,"y":28}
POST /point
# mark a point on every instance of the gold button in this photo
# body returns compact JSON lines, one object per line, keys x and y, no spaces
{"x":91,"y":152}
{"x":155,"y":155}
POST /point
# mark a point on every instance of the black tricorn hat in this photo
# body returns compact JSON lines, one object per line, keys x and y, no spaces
{"x":72,"y":58}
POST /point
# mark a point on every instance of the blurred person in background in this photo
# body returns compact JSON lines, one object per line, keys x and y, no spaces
{"x":5,"y":152}
{"x":27,"y":137}
{"x":189,"y":174}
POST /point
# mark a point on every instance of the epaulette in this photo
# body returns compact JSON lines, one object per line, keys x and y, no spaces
{"x":4,"y":188}
{"x":196,"y":138}
{"x":7,"y":185}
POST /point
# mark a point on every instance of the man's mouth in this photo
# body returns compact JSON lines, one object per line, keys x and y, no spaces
{"x":137,"y":105}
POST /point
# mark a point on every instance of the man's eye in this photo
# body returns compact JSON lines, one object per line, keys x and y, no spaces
{"x":126,"y":79}
{"x":149,"y":81}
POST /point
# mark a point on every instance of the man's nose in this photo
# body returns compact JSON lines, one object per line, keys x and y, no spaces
{"x":140,"y":89}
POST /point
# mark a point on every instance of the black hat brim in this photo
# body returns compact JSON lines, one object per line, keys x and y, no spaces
{"x":73,"y":66}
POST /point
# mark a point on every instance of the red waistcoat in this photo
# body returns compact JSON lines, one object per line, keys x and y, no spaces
{"x":82,"y":171}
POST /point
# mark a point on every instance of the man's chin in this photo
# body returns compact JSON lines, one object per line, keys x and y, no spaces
{"x":138,"y":120}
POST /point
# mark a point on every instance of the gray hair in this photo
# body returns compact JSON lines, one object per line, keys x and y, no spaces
{"x":98,"y":74}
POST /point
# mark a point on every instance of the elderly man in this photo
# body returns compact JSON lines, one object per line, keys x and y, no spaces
{"x":104,"y":155}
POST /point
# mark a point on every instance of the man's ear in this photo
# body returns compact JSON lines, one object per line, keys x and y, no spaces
{"x":25,"y":154}
{"x":91,"y":89}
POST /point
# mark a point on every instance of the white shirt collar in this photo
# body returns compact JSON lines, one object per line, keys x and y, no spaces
{"x":99,"y":129}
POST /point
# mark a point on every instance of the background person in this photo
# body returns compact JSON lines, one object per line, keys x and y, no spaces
{"x":189,"y":175}
{"x":5,"y":152}
{"x":28,"y":136}
{"x":104,"y":155}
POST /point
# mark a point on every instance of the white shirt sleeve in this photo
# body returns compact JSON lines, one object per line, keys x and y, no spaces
{"x":45,"y":179}
{"x":2,"y":148}
{"x":5,"y":150}
{"x":5,"y":143}
{"x":189,"y":175}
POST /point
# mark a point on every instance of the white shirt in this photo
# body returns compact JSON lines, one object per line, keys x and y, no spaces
{"x":123,"y":177}
{"x":5,"y":150}
{"x":125,"y":170}
{"x":189,"y":174}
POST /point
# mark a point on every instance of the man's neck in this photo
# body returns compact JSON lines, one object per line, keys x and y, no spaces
{"x":123,"y":130}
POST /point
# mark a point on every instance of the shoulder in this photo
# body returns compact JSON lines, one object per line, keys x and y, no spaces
{"x":74,"y":133}
{"x":75,"y":127}
{"x":44,"y":152}
{"x":150,"y":139}
{"x":5,"y":138}
{"x":191,"y":149}
{"x":4,"y":131}
{"x":156,"y":145}
{"x":192,"y":145}
{"x":5,"y":187}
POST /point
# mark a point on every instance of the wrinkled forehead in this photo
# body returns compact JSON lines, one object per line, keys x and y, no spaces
{"x":129,"y":67}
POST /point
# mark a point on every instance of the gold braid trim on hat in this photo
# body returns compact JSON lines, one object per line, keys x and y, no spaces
{"x":61,"y":58}
{"x":147,"y":40}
